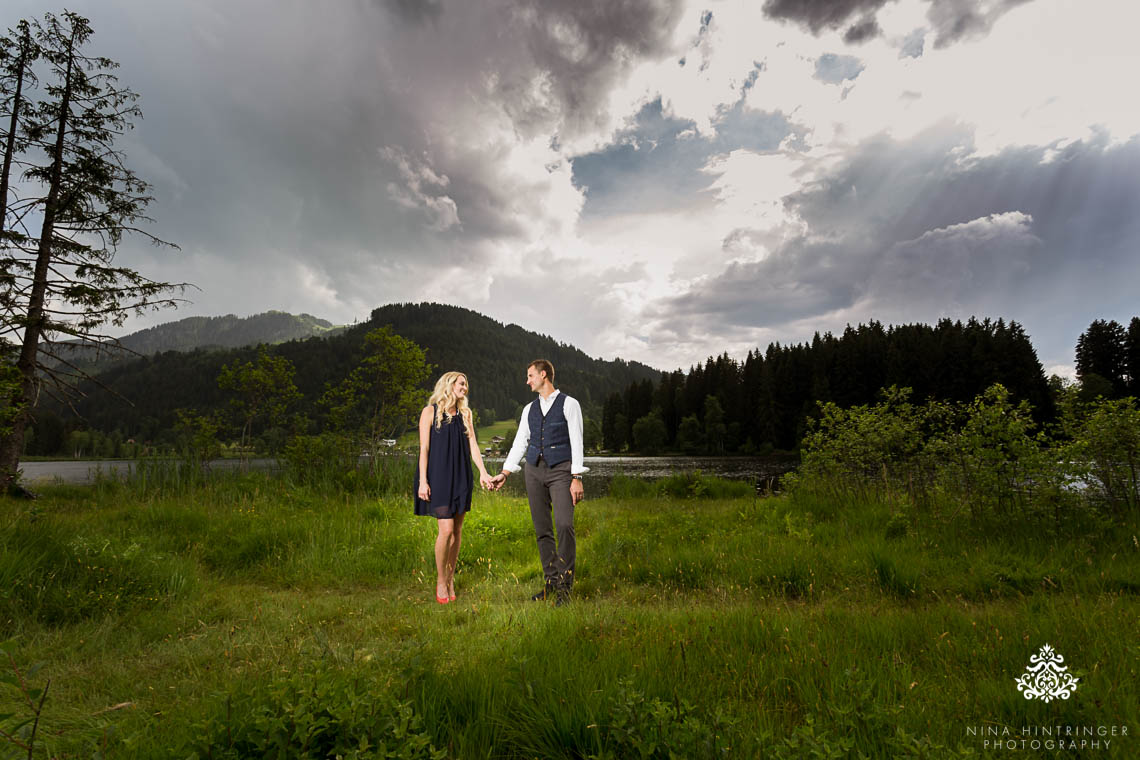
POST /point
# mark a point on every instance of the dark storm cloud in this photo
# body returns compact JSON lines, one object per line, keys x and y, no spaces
{"x":363,"y":141}
{"x":657,"y":163}
{"x":581,"y":48}
{"x":914,"y":231}
{"x":952,"y":20}
{"x":416,"y":10}
{"x":818,"y":15}
{"x":867,"y":29}
{"x":955,"y":20}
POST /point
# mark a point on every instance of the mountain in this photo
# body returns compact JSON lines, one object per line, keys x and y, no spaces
{"x":229,"y":331}
{"x":193,"y":333}
{"x":494,"y":357}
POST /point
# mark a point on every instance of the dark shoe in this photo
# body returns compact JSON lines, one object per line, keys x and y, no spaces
{"x":542,"y":596}
{"x":562,"y":597}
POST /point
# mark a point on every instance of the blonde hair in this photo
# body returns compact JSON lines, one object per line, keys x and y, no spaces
{"x":444,"y":398}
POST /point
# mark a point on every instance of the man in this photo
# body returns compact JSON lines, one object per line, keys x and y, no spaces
{"x":550,"y":435}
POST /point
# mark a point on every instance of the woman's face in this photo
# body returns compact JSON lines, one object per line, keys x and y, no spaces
{"x":459,"y":387}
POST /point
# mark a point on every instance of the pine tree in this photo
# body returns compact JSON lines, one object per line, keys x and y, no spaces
{"x":1100,"y":351}
{"x":18,"y":54}
{"x":62,"y":283}
{"x":1132,"y":357}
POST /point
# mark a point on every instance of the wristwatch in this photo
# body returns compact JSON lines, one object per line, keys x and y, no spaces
{"x":576,"y":477}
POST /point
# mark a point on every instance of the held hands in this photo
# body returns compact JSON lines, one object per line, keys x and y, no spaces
{"x":487,"y":482}
{"x":498,"y":480}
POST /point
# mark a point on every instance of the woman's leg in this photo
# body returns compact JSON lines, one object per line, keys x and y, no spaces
{"x":442,"y":550}
{"x":453,"y":554}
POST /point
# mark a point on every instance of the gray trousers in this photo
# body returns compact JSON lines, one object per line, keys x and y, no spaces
{"x":547,"y":486}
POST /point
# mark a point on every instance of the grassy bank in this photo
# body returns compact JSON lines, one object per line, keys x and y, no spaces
{"x":241,"y":617}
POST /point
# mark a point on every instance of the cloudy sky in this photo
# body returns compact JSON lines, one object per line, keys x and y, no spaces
{"x":657,"y":180}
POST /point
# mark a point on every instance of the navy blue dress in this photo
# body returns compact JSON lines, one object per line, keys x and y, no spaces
{"x":448,"y":470}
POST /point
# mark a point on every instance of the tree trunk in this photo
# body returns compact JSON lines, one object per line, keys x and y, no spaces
{"x":12,"y":445}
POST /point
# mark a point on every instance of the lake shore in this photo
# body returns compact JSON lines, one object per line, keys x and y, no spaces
{"x":754,"y":469}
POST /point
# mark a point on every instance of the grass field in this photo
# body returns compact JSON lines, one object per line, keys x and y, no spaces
{"x":245,"y":620}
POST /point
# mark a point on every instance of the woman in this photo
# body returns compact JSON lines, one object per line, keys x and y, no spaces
{"x":443,"y":478}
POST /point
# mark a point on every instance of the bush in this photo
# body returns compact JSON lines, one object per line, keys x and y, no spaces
{"x":983,"y":459}
{"x":1105,"y":454}
{"x":992,"y":462}
{"x":849,"y":452}
{"x":333,"y":463}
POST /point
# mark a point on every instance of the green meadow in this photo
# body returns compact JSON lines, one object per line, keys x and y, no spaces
{"x":246,"y":617}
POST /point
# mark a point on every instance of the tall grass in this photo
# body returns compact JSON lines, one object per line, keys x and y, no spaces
{"x":251,"y":616}
{"x":682,"y":485}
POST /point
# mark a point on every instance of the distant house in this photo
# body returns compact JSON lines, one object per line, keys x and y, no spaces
{"x":389,"y":442}
{"x":497,"y":439}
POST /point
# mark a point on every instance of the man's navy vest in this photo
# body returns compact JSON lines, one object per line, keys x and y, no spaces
{"x":549,"y":434}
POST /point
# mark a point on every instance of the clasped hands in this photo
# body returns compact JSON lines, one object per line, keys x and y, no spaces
{"x":495,"y":483}
{"x":577,"y":490}
{"x":485,"y":480}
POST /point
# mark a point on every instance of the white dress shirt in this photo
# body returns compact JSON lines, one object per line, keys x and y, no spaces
{"x":573,"y":412}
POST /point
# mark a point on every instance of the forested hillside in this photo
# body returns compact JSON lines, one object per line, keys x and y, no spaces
{"x":494,"y":357}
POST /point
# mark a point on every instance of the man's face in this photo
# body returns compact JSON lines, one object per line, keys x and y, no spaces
{"x":534,"y":378}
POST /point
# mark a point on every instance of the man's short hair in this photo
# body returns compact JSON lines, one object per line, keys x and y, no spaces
{"x":542,"y":365}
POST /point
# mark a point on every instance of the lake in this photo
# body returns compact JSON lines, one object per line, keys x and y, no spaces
{"x":759,"y":470}
{"x":82,"y":472}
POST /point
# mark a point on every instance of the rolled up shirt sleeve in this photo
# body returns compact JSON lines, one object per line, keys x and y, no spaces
{"x":518,"y":448}
{"x":574,"y":421}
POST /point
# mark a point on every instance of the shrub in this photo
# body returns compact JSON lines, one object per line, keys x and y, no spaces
{"x":983,"y":459}
{"x":882,"y":448}
{"x":331,"y":462}
{"x":1105,"y":454}
{"x":992,"y":461}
